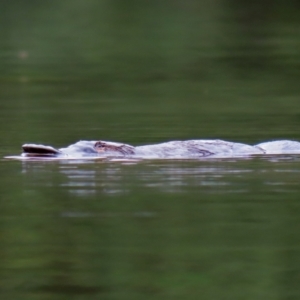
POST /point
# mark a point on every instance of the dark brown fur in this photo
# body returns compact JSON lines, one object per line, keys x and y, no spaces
{"x":103,"y":147}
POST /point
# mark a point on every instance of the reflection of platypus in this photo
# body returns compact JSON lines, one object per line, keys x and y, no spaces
{"x":191,"y":149}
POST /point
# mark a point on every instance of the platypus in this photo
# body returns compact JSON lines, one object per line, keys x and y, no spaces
{"x":190,"y":149}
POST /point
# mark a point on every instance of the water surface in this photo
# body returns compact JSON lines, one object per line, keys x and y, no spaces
{"x":145,"y":73}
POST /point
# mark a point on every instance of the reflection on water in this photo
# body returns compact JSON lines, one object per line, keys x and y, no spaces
{"x":151,"y":228}
{"x":117,"y":178}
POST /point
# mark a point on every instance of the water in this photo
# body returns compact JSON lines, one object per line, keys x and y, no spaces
{"x":150,"y":229}
{"x":147,"y":73}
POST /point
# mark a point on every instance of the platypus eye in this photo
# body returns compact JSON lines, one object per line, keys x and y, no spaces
{"x":99,"y":145}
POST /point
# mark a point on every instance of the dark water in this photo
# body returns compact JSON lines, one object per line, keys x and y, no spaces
{"x":144,"y":72}
{"x":222,"y":229}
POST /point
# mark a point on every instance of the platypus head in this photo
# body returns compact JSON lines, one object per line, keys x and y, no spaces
{"x":39,"y":150}
{"x":111,"y":148}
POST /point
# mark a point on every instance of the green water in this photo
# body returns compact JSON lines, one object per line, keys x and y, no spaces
{"x":144,"y":72}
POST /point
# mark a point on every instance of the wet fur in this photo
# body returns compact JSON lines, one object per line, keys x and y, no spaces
{"x":101,"y":146}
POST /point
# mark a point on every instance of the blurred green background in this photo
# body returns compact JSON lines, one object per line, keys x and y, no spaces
{"x":147,"y":71}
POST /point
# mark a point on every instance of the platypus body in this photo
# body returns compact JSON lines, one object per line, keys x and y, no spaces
{"x":190,"y":149}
